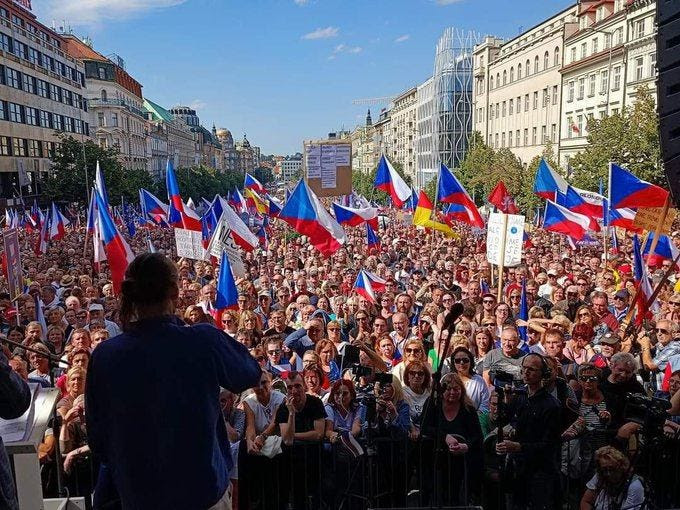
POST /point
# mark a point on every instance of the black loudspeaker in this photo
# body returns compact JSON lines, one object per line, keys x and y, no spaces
{"x":668,"y":89}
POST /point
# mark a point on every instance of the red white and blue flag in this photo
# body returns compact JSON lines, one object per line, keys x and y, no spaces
{"x":356,"y":216}
{"x":388,"y":180}
{"x":462,"y":208}
{"x":177,"y":216}
{"x":227,"y":293}
{"x":152,"y":207}
{"x":372,"y":241}
{"x":665,"y":249}
{"x":561,"y":220}
{"x":626,"y":190}
{"x":623,"y":218}
{"x":573,"y":201}
{"x":100,"y":185}
{"x":58,"y":223}
{"x":118,"y":252}
{"x":643,"y":284}
{"x":548,"y":181}
{"x":378,"y":284}
{"x":364,"y":287}
{"x":241,"y":234}
{"x":251,"y":182}
{"x":306,"y":214}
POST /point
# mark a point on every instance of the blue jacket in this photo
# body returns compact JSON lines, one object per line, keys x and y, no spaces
{"x":153,"y":414}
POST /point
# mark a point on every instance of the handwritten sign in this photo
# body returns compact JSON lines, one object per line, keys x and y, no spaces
{"x":15,"y":277}
{"x":648,"y":218}
{"x":189,"y":244}
{"x":513,"y":242}
{"x":222,"y":241}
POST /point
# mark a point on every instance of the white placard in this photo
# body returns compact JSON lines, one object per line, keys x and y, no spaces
{"x":189,"y":244}
{"x":313,"y":161}
{"x":513,"y":242}
{"x":223,"y":241}
{"x":342,"y":155}
{"x":329,"y":171}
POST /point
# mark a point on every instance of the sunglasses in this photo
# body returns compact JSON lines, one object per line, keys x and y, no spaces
{"x":412,"y":351}
{"x":333,"y":329}
{"x":461,"y":361}
{"x":661,"y":330}
{"x":488,"y":301}
{"x":418,"y":374}
{"x":618,"y":298}
{"x":588,"y":378}
{"x":275,"y":352}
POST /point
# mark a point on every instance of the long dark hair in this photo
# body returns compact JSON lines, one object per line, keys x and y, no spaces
{"x":150,"y":281}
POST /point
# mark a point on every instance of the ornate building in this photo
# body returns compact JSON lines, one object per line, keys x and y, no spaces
{"x":169,"y":136}
{"x":208,"y":148}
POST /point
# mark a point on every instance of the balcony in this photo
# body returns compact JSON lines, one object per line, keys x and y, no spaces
{"x":98,"y":102}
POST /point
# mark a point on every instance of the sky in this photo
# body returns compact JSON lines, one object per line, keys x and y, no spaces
{"x":282,"y":71}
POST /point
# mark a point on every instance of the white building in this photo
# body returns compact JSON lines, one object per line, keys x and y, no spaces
{"x":364,"y":157}
{"x":402,"y":131}
{"x":427,"y":162}
{"x":517,"y":86}
{"x":606,"y":60}
{"x":291,"y":170}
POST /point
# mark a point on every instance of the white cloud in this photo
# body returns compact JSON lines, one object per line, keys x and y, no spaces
{"x":198,"y":104}
{"x":447,"y":2}
{"x":402,"y":38}
{"x":343,"y":48}
{"x":322,"y":33}
{"x":301,"y":2}
{"x":90,"y":12}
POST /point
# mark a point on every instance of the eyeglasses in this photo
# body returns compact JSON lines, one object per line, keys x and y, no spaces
{"x":333,"y":329}
{"x":274,"y":352}
{"x":584,"y":315}
{"x":674,"y":303}
{"x":488,"y":301}
{"x":464,"y":331}
{"x":588,"y":378}
{"x":418,"y":374}
{"x":661,"y":330}
{"x":412,"y":351}
{"x":461,"y":361}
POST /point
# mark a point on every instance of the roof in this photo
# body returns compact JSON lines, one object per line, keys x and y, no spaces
{"x":81,"y":51}
{"x":158,"y":111}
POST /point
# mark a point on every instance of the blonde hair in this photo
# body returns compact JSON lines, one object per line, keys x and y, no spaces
{"x":454,"y":378}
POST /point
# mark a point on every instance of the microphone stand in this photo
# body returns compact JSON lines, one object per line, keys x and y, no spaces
{"x":53,"y":362}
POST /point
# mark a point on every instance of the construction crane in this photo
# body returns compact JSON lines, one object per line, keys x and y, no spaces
{"x":375,"y":100}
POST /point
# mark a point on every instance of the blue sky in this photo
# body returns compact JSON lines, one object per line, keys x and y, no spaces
{"x":282,"y":70}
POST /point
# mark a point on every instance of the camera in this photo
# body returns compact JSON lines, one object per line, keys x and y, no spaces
{"x":646,"y":411}
{"x":383,"y":379}
{"x":504,"y":381}
{"x":359,"y":370}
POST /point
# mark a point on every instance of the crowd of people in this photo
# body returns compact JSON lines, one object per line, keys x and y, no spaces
{"x":573,"y":405}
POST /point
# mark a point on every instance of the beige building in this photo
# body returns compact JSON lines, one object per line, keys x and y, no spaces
{"x":168,"y":137}
{"x":606,"y":60}
{"x":41,"y":92}
{"x":364,"y":157}
{"x":403,"y":126}
{"x":115,"y":102}
{"x":517,"y":86}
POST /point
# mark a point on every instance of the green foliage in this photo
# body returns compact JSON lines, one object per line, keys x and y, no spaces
{"x":203,"y":181}
{"x":630,"y":138}
{"x":478,"y":161}
{"x":69,"y":182}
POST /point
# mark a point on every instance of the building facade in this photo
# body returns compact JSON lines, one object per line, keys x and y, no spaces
{"x":290,"y":170}
{"x":364,"y":156}
{"x":115,"y":103}
{"x":427,"y":162}
{"x":42,"y":92}
{"x":247,"y":159}
{"x":178,"y":140}
{"x":208,"y":149}
{"x":518,"y":87}
{"x":403,"y":126}
{"x":229,"y":155}
{"x":612,"y":53}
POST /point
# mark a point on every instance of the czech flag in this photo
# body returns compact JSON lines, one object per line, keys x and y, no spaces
{"x":241,"y":234}
{"x":354,"y":216}
{"x":151,"y":205}
{"x":573,"y":201}
{"x":304,"y":213}
{"x":177,"y":217}
{"x":562,"y":220}
{"x":665,"y":249}
{"x":388,"y":180}
{"x":643,"y":283}
{"x":237,"y":201}
{"x":58,"y":223}
{"x":377,"y":283}
{"x":227,"y":294}
{"x":100,"y":185}
{"x":36,"y":214}
{"x":274,"y":206}
{"x":450,"y":190}
{"x":623,"y":218}
{"x":548,"y":181}
{"x":412,"y":202}
{"x":252,"y":183}
{"x":502,"y":200}
{"x":118,"y":252}
{"x":372,"y":240}
{"x":44,"y":237}
{"x":626,"y":190}
{"x":262,"y":238}
{"x":364,"y":288}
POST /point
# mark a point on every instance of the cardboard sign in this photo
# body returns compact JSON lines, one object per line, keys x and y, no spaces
{"x":513,"y":242}
{"x":189,"y":244}
{"x":222,"y":241}
{"x":648,"y":218}
{"x":15,"y":277}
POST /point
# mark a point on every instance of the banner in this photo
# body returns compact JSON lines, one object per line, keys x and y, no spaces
{"x":189,"y":244}
{"x":15,"y":277}
{"x":513,"y":241}
{"x":223,"y":241}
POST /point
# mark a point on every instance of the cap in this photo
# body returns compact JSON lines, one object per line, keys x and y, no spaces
{"x":264,"y":293}
{"x":67,"y":281}
{"x":610,"y":338}
{"x":95,"y":306}
{"x":625,"y":268}
{"x":552,"y":272}
{"x":623,"y":293}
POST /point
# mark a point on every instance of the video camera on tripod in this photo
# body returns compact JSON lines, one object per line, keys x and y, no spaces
{"x":650,"y":412}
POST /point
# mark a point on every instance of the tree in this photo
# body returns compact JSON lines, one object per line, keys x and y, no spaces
{"x":478,"y":162}
{"x":203,"y":181}
{"x":630,"y":138}
{"x":69,"y":182}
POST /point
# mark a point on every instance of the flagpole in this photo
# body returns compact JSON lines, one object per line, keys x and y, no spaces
{"x":659,"y":225}
{"x":501,"y":266}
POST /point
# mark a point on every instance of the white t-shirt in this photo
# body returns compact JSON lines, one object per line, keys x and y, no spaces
{"x":264,"y":414}
{"x":633,"y":499}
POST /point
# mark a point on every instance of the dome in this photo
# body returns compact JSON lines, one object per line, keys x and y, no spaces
{"x":223,"y":133}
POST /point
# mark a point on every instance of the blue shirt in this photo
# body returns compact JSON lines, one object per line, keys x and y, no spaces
{"x":153,"y":414}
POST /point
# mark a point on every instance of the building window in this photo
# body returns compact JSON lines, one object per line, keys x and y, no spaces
{"x":553,"y":133}
{"x":5,"y":43}
{"x":592,"y":85}
{"x":15,"y":114}
{"x":570,"y":92}
{"x":102,"y":73}
{"x":533,"y":135}
{"x":519,"y":71}
{"x":496,"y":144}
{"x":55,"y":93}
{"x":114,"y":120}
{"x":19,"y":147}
{"x":5,"y":147}
{"x":13,"y":78}
{"x":554,"y":95}
{"x":509,"y":138}
{"x":512,"y":74}
{"x":652,"y":65}
{"x":503,"y":139}
{"x":103,"y":96}
{"x":526,"y":102}
{"x":546,"y":60}
{"x":536,"y":63}
{"x":504,"y":109}
{"x":572,"y":54}
{"x":640,"y":28}
{"x":505,"y":77}
{"x":526,"y":137}
{"x":68,"y":97}
{"x":584,"y":50}
{"x":607,"y":41}
{"x":619,"y":36}
{"x":31,"y":116}
{"x":639,"y":68}
{"x":579,"y":124}
{"x":42,"y":88}
{"x":596,"y":43}
{"x":35,"y":149}
{"x":29,"y":84}
{"x":600,"y":13}
{"x":19,"y":49}
{"x":510,"y":106}
{"x":616,"y":81}
{"x":556,"y":57}
{"x":58,"y":121}
{"x":491,"y":83}
{"x":581,"y":87}
{"x":544,"y":134}
{"x":3,"y":114}
{"x":517,"y":138}
{"x":68,"y":124}
{"x":570,"y":127}
{"x":101,"y":119}
{"x":519,"y":104}
{"x":527,"y":68}
{"x":535,"y":100}
{"x":78,"y":126}
{"x":604,"y":81}
{"x":45,"y":119}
